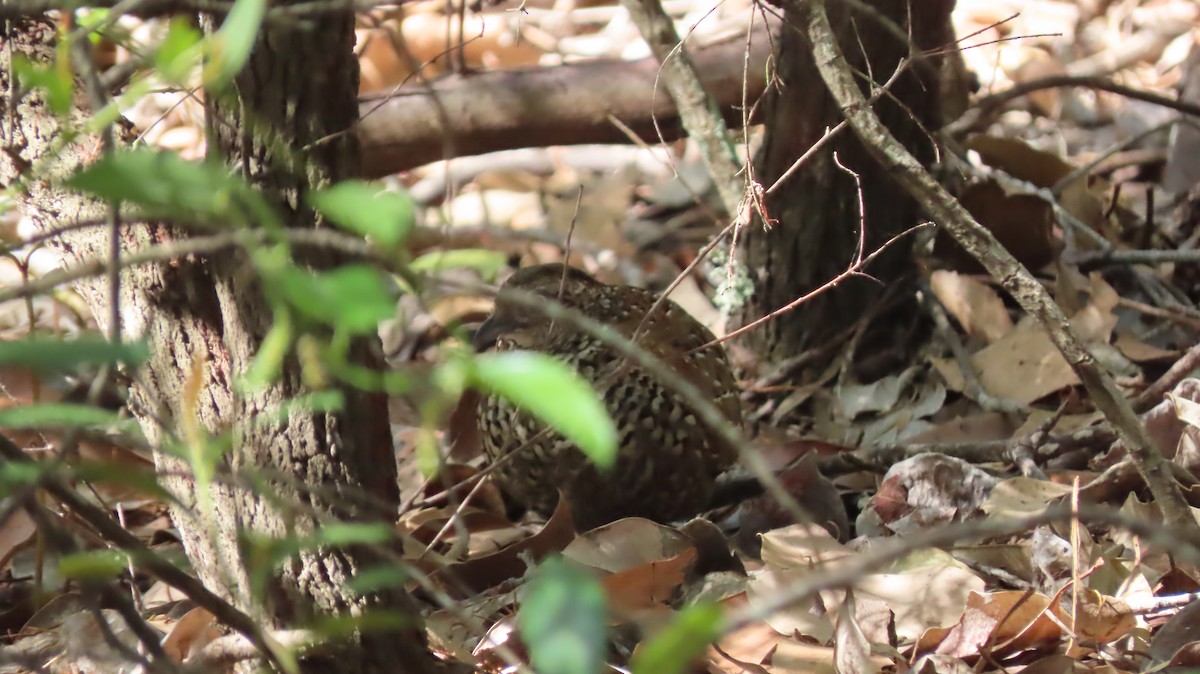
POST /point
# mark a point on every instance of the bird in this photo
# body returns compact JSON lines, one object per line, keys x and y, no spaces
{"x":667,"y":458}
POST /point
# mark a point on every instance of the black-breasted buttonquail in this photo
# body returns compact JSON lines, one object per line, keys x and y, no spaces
{"x":667,"y":459}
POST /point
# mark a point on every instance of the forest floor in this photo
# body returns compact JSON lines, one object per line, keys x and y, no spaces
{"x":982,"y":425}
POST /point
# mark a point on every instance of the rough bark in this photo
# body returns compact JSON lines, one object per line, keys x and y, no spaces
{"x":204,"y":320}
{"x":817,"y":209}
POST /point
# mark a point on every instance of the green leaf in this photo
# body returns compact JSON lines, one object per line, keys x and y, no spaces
{"x":93,"y":565}
{"x":263,"y":556}
{"x":143,"y":479}
{"x":166,"y":186}
{"x":232,"y":44}
{"x":177,"y":54}
{"x":43,"y":354}
{"x":268,"y":362}
{"x":339,"y":627}
{"x":57,"y":82}
{"x":21,"y":474}
{"x":354,"y":533}
{"x":383,"y":577}
{"x":673,"y":649}
{"x":563,"y":620}
{"x":366,"y":209}
{"x":56,"y":415}
{"x":352,"y":297}
{"x":487,"y":262}
{"x":92,"y":21}
{"x":553,"y":392}
{"x":328,"y":402}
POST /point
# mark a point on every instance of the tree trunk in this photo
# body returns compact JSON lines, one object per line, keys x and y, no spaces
{"x":817,"y":209}
{"x":205,"y":319}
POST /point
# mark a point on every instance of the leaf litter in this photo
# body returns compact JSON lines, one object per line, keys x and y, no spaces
{"x":1063,"y":597}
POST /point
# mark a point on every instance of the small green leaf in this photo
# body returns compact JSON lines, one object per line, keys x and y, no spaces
{"x":362,"y":208}
{"x":56,"y":415}
{"x":232,"y":44}
{"x":354,"y":533}
{"x":178,"y":54}
{"x":352,"y":297}
{"x":330,"y":401}
{"x":339,"y":627}
{"x":268,"y":362}
{"x":487,"y":262}
{"x":92,"y":21}
{"x":141,"y":478}
{"x":384,"y":577}
{"x":93,"y":565}
{"x":671,"y":651}
{"x":42,"y":354}
{"x":264,"y":554}
{"x":21,"y":474}
{"x":167,"y":186}
{"x":550,"y":390}
{"x":57,"y":82}
{"x":563,"y":620}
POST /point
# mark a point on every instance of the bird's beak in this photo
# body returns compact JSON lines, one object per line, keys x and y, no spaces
{"x":487,"y":334}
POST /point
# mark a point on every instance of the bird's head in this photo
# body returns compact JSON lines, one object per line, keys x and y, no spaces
{"x":566,"y":285}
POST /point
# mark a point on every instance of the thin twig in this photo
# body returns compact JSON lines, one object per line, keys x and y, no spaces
{"x":698,"y":112}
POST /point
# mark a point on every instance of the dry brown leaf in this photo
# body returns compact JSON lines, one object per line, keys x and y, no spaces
{"x":800,"y":547}
{"x":1023,"y":367}
{"x":744,"y":649}
{"x":455,"y":630}
{"x":1067,"y":423}
{"x":793,"y":655}
{"x":923,"y":590}
{"x":1037,"y":65}
{"x":191,"y":633}
{"x":936,"y":663}
{"x":449,"y":310}
{"x":1023,"y":496}
{"x":1055,"y":664}
{"x":160,"y":594}
{"x":923,"y":491}
{"x":1016,"y":158}
{"x":789,"y":553}
{"x":17,"y":530}
{"x":18,"y":386}
{"x":1022,"y":223}
{"x":423,"y":525}
{"x":1101,"y":618}
{"x":598,"y":217}
{"x":974,"y":304}
{"x":648,"y":586}
{"x":816,"y":495}
{"x":480,"y":573}
{"x":975,"y":428}
{"x":1178,"y":641}
{"x":645,"y":562}
{"x":1003,"y":622}
{"x":492,"y":41}
{"x":626,"y":544}
{"x":1094,"y":323}
{"x":1043,"y":169}
{"x":1012,"y":558}
{"x":1140,"y":352}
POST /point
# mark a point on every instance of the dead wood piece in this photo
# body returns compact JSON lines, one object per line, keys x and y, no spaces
{"x":537,"y":107}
